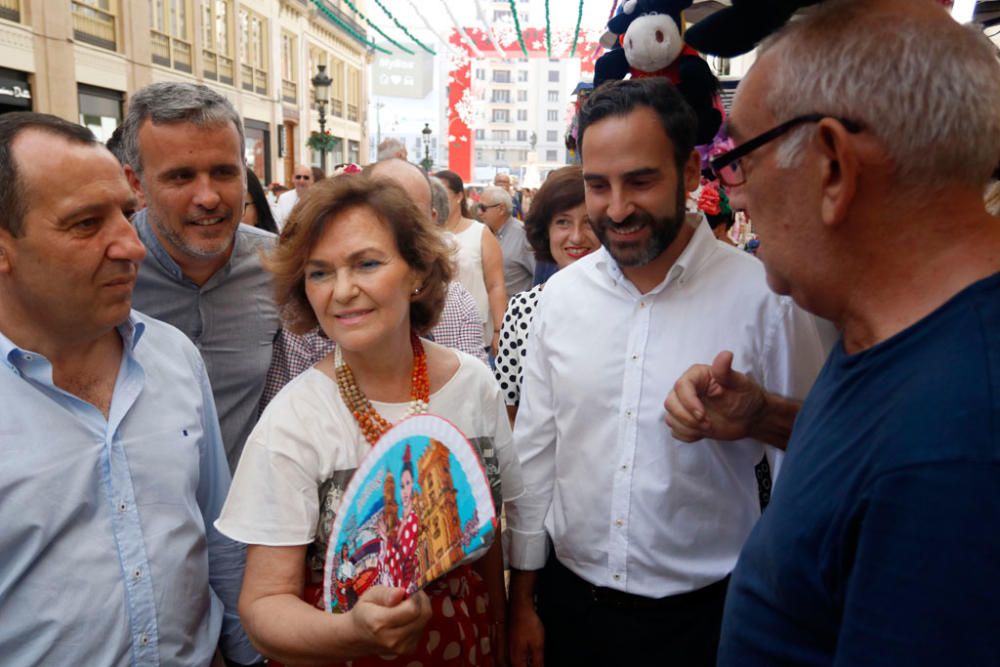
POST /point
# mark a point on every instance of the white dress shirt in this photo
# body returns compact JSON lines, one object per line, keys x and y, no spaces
{"x":286,"y":202}
{"x":626,"y":505}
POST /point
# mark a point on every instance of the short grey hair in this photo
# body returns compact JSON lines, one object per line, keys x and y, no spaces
{"x":495,"y":195}
{"x":172,"y":102}
{"x":439,"y":200}
{"x":390,"y":148}
{"x":929,"y":92}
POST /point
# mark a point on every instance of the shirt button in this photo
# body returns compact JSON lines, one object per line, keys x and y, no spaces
{"x":635,"y":357}
{"x":619,"y":523}
{"x":624,"y":467}
{"x":642,"y":304}
{"x":137,"y":573}
{"x":28,"y":357}
{"x":122,"y":507}
{"x":628,"y":413}
{"x":616,"y":577}
{"x":143,"y":639}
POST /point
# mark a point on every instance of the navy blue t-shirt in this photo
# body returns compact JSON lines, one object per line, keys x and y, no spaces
{"x":881,"y":545}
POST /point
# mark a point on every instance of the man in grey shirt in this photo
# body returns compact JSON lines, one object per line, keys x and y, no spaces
{"x":518,"y":257}
{"x":183,"y":146}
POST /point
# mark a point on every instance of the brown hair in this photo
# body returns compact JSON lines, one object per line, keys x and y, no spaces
{"x":455,"y":185}
{"x":561,"y":191}
{"x":420,"y":245}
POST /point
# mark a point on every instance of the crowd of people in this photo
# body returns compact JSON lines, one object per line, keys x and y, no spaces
{"x":702,"y":457}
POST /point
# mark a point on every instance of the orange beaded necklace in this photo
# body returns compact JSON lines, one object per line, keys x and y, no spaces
{"x":371,"y":423}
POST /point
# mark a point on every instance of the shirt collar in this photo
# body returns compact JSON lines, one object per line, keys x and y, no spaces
{"x":16,"y":358}
{"x":701,"y":246}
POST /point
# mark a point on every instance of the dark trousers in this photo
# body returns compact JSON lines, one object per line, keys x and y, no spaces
{"x":588,"y":625}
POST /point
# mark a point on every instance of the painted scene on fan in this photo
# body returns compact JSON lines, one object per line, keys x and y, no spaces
{"x":414,"y":518}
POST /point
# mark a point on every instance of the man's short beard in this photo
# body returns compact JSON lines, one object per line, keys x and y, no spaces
{"x":663,"y":233}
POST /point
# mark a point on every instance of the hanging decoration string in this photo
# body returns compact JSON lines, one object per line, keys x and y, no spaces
{"x":517,"y":25}
{"x":548,"y":30}
{"x":433,"y":31}
{"x":486,"y":25}
{"x":461,"y":32}
{"x":377,"y":29}
{"x":348,"y":29}
{"x":403,"y":28}
{"x":576,"y":32}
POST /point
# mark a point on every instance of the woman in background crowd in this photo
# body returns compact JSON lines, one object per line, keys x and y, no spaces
{"x":480,"y":260}
{"x":256,"y":209}
{"x":558,"y":231}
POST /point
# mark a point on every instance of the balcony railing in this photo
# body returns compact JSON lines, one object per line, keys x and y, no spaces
{"x":352,"y":112}
{"x":171,"y":52}
{"x":336,"y":11}
{"x":253,"y":79}
{"x":337,"y":108}
{"x":218,"y":67}
{"x":10,"y":10}
{"x":93,"y":25}
{"x":289,"y":91}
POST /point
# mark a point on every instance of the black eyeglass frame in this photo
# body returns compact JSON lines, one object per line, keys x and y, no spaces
{"x":720,"y":162}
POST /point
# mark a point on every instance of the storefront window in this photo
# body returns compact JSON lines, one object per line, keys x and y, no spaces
{"x":258,"y":149}
{"x":100,"y":110}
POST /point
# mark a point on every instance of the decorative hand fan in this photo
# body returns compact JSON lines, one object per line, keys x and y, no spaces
{"x":418,"y":506}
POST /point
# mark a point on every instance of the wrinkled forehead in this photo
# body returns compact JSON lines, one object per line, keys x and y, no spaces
{"x":750,"y":103}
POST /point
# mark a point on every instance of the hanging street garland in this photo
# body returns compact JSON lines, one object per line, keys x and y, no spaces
{"x":548,"y":30}
{"x":403,"y":28}
{"x":448,"y":47}
{"x":576,"y":32}
{"x":348,"y":29}
{"x":461,"y":32}
{"x":377,"y":29}
{"x":488,"y":28}
{"x":517,"y":25}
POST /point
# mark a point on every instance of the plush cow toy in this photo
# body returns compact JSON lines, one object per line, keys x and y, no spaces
{"x":644,"y":39}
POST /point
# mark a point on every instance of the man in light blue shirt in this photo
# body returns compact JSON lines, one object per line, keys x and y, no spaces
{"x":113,"y":468}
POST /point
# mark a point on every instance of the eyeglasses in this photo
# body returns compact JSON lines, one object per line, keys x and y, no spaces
{"x":489,"y":206}
{"x":303,"y":178}
{"x":727,"y":167}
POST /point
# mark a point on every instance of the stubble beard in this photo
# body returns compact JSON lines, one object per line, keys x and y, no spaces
{"x":183,"y":245}
{"x":663,"y":232}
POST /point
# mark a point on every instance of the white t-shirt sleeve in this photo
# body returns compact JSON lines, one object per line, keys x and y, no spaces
{"x":298,"y":442}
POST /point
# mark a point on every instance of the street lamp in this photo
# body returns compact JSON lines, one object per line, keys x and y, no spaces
{"x":427,"y":162}
{"x":321,"y":83}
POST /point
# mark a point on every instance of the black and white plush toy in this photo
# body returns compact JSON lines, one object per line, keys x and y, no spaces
{"x":644,"y":39}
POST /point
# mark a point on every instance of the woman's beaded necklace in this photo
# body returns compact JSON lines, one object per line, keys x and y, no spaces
{"x":371,"y":423}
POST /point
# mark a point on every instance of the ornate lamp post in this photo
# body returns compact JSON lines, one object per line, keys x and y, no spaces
{"x":427,"y":162}
{"x":321,"y":83}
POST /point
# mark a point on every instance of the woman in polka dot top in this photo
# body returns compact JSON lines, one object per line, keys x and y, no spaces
{"x":558,"y":231}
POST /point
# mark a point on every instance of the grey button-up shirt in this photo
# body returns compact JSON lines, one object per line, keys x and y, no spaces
{"x":232,"y":319}
{"x":518,"y":257}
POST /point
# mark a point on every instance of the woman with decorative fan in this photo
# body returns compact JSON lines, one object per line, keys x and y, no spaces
{"x":362,"y":261}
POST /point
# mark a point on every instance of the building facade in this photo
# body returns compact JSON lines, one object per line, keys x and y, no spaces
{"x":81,"y":59}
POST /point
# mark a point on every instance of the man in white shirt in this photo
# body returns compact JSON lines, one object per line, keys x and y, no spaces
{"x":645,"y":529}
{"x":303,"y":180}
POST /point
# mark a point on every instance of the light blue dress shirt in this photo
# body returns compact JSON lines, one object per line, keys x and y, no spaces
{"x":108,"y":554}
